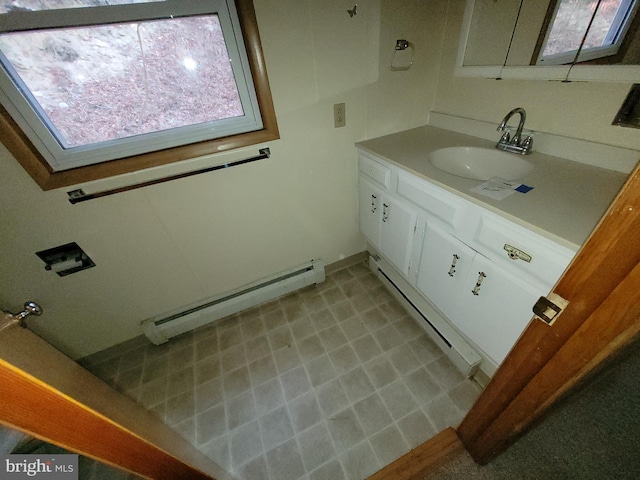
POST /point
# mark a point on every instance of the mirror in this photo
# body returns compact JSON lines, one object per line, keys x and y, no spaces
{"x":506,"y":39}
{"x":490,"y":32}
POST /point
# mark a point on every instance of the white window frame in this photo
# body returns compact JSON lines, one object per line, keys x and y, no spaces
{"x":24,"y":108}
{"x":24,"y":150}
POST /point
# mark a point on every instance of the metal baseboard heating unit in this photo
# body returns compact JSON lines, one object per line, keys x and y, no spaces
{"x":465,"y":358}
{"x":161,"y":328}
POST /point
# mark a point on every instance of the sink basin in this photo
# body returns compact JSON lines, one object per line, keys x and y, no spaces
{"x":480,"y":163}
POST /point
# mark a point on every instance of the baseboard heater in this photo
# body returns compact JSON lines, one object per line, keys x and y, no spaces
{"x":161,"y":328}
{"x":465,"y":358}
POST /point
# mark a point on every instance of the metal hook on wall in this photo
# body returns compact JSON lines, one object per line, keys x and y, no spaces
{"x":398,"y":60}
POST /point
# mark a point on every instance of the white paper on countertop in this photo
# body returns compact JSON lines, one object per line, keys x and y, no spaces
{"x":496,"y":188}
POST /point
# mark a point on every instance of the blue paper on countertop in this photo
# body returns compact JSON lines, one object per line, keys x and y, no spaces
{"x":499,"y":188}
{"x":523,"y":188}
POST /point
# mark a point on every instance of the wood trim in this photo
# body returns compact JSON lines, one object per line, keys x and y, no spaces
{"x":428,"y":456}
{"x":546,"y":24}
{"x":32,"y":161}
{"x":607,"y":330}
{"x":77,"y":428}
{"x":251,"y":36}
{"x":600,"y":319}
{"x":51,"y":397}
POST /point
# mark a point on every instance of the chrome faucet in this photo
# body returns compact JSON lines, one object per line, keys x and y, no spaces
{"x":515,"y":144}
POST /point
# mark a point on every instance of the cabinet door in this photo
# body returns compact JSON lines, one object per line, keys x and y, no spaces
{"x":495,"y":313}
{"x":443,"y":270}
{"x":397,"y":231}
{"x":370,"y":201}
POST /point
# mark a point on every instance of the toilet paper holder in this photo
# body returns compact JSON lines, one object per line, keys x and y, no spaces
{"x":65,"y":259}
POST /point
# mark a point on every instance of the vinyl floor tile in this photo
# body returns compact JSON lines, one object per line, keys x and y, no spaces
{"x":331,"y":382}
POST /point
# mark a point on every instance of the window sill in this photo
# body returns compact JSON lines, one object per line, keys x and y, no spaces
{"x":41,"y":173}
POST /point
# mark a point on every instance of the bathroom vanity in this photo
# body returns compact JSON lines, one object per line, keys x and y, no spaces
{"x":469,"y":266}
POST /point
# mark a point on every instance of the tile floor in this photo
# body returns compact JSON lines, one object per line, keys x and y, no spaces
{"x":337,"y":379}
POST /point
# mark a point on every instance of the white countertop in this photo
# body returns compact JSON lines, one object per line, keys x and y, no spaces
{"x":566,"y":203}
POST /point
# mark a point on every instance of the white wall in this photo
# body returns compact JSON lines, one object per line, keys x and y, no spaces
{"x":168,"y":245}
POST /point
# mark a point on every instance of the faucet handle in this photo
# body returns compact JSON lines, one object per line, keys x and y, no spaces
{"x":505,"y":138}
{"x":528,"y":143}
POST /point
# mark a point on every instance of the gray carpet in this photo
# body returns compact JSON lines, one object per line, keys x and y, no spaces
{"x":592,"y":434}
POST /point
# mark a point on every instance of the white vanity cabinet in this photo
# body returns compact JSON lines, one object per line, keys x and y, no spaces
{"x":443,"y":270}
{"x":481,"y":272}
{"x":369,"y":201}
{"x":388,"y":222}
{"x":494,"y":312}
{"x":488,"y":303}
{"x":397,"y":232}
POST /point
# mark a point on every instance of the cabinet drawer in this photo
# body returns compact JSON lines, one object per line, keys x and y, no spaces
{"x":374,"y":170}
{"x":494,"y":236}
{"x":446,"y":207}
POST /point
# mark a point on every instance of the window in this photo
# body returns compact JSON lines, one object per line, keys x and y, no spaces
{"x":93,"y":88}
{"x":585,"y":30}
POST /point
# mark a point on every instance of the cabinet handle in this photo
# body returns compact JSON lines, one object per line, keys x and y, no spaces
{"x":385,"y":217}
{"x":516,"y":254}
{"x":373,"y":203}
{"x":476,"y":289}
{"x":452,"y":270}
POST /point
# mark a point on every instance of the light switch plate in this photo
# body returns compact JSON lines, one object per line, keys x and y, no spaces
{"x":339,"y":115}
